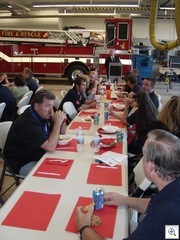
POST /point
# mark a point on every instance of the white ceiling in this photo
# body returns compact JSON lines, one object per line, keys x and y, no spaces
{"x":25,"y":8}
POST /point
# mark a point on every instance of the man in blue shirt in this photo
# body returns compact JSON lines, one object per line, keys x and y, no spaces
{"x":161,"y":163}
{"x":30,"y":81}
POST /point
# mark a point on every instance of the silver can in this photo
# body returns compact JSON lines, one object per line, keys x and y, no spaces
{"x":106,"y":114}
{"x":106,"y":105}
{"x":96,"y":119}
{"x":98,"y":198}
{"x":119,"y":136}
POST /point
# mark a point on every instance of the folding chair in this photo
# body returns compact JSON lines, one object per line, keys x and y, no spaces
{"x":63,"y":93}
{"x":6,"y":169}
{"x":142,"y":185}
{"x":2,"y":107}
{"x":57,"y":102}
{"x":69,"y":109}
{"x":29,"y":94}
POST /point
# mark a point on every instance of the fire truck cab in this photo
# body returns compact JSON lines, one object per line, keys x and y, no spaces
{"x":65,"y":53}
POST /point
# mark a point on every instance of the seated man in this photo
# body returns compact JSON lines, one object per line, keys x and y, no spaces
{"x":33,"y":133}
{"x":148,"y":86}
{"x":93,"y":85}
{"x":161,"y":163}
{"x":7,"y":97}
{"x":75,"y":95}
{"x":30,"y":81}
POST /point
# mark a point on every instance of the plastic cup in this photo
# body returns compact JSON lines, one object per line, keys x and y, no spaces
{"x":108,"y":94}
{"x":108,"y":86}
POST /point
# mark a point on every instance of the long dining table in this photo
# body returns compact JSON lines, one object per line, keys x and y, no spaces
{"x":43,"y":206}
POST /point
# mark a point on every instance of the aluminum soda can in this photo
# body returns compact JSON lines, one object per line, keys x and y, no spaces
{"x":98,"y":198}
{"x":119,"y":136}
{"x":106,"y":105}
{"x":96,"y":119}
{"x":106,"y":114}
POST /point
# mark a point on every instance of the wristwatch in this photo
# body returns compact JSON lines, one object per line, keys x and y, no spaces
{"x":81,"y":230}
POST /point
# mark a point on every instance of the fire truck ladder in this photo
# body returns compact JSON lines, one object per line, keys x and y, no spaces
{"x":72,"y":37}
{"x":59,"y":36}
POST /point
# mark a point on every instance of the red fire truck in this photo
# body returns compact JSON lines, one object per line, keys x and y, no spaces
{"x":65,"y":53}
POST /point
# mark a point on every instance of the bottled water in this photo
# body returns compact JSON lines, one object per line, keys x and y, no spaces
{"x":80,"y":139}
{"x":96,"y":143}
{"x":115,"y":86}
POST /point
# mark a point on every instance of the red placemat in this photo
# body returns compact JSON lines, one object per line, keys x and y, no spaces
{"x":84,"y":125}
{"x":115,"y":123}
{"x":33,"y":210}
{"x":51,"y":168}
{"x":105,"y":175}
{"x":107,"y":214}
{"x":88,"y":113}
{"x":117,"y":148}
{"x":70,"y":147}
{"x":116,"y":101}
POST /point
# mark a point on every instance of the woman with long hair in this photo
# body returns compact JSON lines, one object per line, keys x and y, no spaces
{"x":169,"y":117}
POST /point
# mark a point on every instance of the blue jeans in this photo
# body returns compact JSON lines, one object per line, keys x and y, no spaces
{"x":24,"y":171}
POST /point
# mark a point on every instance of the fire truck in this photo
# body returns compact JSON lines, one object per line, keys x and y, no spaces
{"x":67,"y":53}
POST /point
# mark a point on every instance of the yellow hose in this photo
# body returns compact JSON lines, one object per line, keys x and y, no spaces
{"x":152,"y":27}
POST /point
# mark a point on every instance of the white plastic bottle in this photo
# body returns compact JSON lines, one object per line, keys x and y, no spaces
{"x":80,"y":139}
{"x":96,"y":142}
{"x":115,"y":86}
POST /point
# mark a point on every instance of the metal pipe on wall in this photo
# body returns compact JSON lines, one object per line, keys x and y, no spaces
{"x":152,"y":27}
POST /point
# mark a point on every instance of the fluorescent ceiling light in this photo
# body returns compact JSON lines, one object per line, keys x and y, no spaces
{"x":84,"y":5}
{"x":167,"y":8}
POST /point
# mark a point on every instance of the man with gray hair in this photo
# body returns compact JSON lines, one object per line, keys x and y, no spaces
{"x":161,"y":163}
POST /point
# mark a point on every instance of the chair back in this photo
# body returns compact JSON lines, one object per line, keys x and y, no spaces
{"x":63,"y":93}
{"x":22,"y":109}
{"x":29,"y":94}
{"x":57,"y":102}
{"x":39,"y":88}
{"x":4,"y":129}
{"x":160,"y":104}
{"x":23,"y":101}
{"x":2,"y":107}
{"x":142,"y":184}
{"x":68,"y":107}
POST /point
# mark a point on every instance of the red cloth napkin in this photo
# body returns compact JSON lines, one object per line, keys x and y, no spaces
{"x":107,"y":141}
{"x":61,"y":169}
{"x":70,"y":147}
{"x":115,"y":123}
{"x":107,"y":214}
{"x":105,"y":175}
{"x":84,"y":125}
{"x":101,"y":130}
{"x":33,"y":210}
{"x":117,"y":148}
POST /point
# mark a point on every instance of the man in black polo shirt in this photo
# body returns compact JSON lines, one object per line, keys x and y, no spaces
{"x":33,"y":133}
{"x":148,"y":86}
{"x":75,"y":95}
{"x":7,"y":97}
